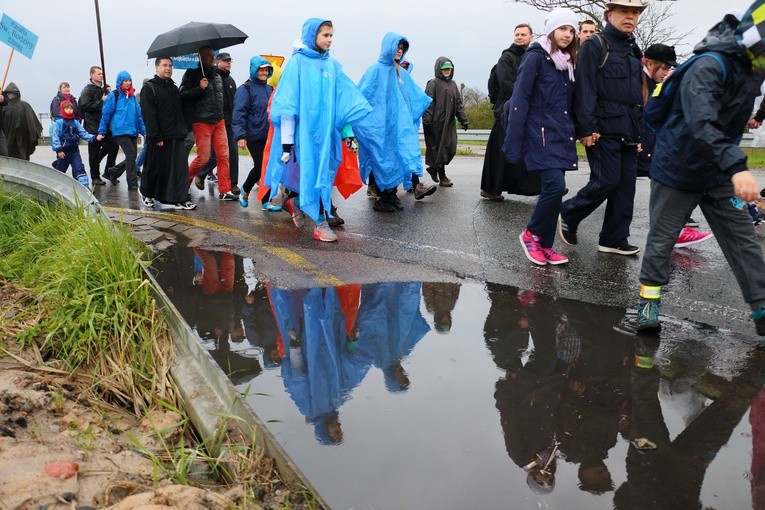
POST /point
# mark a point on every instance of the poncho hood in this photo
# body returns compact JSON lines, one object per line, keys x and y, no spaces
{"x":389,"y":46}
{"x":308,"y":38}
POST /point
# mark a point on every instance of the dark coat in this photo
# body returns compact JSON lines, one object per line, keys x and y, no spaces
{"x":697,"y":148}
{"x":91,"y":104}
{"x":507,"y":71}
{"x":55,"y":106}
{"x":161,"y":110}
{"x":250,"y":120}
{"x":21,"y":126}
{"x":438,"y":120}
{"x":609,"y":100}
{"x":541,"y":131}
{"x":229,"y":89}
{"x":202,"y":105}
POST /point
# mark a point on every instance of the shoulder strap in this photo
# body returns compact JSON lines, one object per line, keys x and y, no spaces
{"x":605,"y":49}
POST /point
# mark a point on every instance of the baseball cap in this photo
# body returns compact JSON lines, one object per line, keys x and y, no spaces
{"x":447,"y":65}
{"x":223,"y":56}
{"x":662,"y":53}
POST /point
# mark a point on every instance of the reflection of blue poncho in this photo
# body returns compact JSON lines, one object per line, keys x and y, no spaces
{"x":388,"y":140}
{"x":314,"y":89}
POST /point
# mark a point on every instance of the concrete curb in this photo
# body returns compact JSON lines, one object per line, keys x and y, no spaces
{"x":209,"y":397}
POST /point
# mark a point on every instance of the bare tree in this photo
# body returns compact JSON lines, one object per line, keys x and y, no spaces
{"x":471,"y":96}
{"x":655,"y":22}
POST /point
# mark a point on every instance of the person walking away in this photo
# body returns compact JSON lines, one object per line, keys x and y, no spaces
{"x":608,"y":115}
{"x":202,"y":93}
{"x":121,"y":116}
{"x":64,"y":94}
{"x":713,"y":102}
{"x":250,"y":124}
{"x":223,"y":68}
{"x":541,"y":104}
{"x":165,"y":178}
{"x":389,"y":144}
{"x":20,"y":123}
{"x":497,"y":175}
{"x":65,"y":135}
{"x":657,"y":61}
{"x":90,"y":106}
{"x":312,"y":111}
{"x":438,"y":121}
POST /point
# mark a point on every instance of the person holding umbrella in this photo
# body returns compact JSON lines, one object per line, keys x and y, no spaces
{"x":202,"y":93}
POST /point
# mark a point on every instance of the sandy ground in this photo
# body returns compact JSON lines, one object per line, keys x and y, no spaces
{"x":58,"y":451}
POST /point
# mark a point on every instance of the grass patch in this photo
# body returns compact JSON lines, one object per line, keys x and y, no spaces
{"x":97,"y":313}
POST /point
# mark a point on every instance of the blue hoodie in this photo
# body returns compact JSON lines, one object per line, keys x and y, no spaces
{"x":123,"y":116}
{"x":323,"y":100}
{"x":250,"y":117}
{"x":388,"y":138}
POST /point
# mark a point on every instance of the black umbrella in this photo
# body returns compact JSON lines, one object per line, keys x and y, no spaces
{"x":191,"y":36}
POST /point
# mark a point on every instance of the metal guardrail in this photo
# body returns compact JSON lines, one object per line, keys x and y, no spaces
{"x":207,"y":394}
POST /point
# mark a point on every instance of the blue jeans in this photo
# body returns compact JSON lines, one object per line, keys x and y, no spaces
{"x":544,"y":219}
{"x":613,"y":171}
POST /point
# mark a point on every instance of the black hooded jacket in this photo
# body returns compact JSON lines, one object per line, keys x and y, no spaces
{"x":506,"y":73}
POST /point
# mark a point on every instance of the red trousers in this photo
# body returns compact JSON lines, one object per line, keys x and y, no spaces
{"x":205,"y":137}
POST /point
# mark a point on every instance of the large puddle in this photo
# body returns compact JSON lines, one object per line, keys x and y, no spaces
{"x":447,"y":395}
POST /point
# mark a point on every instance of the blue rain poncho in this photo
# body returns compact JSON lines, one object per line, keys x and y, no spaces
{"x":322,"y":99}
{"x":389,"y":142}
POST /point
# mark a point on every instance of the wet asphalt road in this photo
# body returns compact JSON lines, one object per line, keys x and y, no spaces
{"x":455,"y":234}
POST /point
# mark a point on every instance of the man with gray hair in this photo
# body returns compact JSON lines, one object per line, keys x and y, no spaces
{"x":608,"y":115}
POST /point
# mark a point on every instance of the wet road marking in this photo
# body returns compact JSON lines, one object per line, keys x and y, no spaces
{"x":290,"y":257}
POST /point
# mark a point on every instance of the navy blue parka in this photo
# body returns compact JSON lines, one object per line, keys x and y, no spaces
{"x":540,"y":130}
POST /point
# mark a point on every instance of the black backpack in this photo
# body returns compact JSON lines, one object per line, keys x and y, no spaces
{"x":493,"y":85}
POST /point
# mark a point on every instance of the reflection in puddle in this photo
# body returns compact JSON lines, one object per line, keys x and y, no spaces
{"x":442,"y":395}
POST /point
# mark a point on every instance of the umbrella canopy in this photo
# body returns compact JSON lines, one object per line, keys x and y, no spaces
{"x":192,"y":36}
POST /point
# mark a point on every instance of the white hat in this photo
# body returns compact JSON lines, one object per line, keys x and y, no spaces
{"x":560,"y":17}
{"x":626,"y":3}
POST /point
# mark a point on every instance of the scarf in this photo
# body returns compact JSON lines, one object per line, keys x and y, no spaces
{"x":128,"y":91}
{"x":561,"y":60}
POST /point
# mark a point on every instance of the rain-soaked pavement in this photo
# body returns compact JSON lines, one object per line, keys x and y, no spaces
{"x":441,"y":395}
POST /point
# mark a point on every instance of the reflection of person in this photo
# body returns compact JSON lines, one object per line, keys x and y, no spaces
{"x":757,"y":419}
{"x":440,"y":299}
{"x":439,"y":121}
{"x":260,"y":328}
{"x":527,"y":395}
{"x":21,"y":126}
{"x":390,"y":325}
{"x":666,"y":473}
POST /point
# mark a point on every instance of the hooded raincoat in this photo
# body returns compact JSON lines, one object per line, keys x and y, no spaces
{"x":438,"y":120}
{"x":389,"y":143}
{"x":21,"y":126}
{"x":121,"y":112}
{"x":322,"y":99}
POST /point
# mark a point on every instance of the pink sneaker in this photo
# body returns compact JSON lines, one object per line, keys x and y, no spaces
{"x":553,"y":257}
{"x":688,"y":236}
{"x":531,"y":247}
{"x":293,"y":208}
{"x":322,"y":232}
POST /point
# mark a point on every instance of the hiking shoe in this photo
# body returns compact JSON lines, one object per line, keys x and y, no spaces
{"x":188,"y":205}
{"x":227,"y":196}
{"x":292,"y":206}
{"x":692,"y":223}
{"x":688,"y":236}
{"x":147,"y":201}
{"x":554,"y":257}
{"x":83,"y":179}
{"x":335,"y":221}
{"x":212,"y":177}
{"x":758,"y":316}
{"x":235,"y":189}
{"x":648,"y":317}
{"x":396,"y":202}
{"x":623,"y":249}
{"x":322,"y":232}
{"x":567,"y":234}
{"x":433,"y":174}
{"x":491,"y":196}
{"x":199,"y":183}
{"x":382,"y":206}
{"x":111,"y":177}
{"x":421,"y":190}
{"x":99,"y":181}
{"x":758,"y":222}
{"x":373,"y":192}
{"x":532,"y":249}
{"x":445,"y":182}
{"x":268,"y":206}
{"x":243,"y":200}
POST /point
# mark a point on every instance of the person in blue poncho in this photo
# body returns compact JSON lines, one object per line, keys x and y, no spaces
{"x":312,"y":112}
{"x":389,"y":146}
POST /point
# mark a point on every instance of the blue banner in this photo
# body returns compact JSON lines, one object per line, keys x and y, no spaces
{"x":17,"y":37}
{"x":188,"y":61}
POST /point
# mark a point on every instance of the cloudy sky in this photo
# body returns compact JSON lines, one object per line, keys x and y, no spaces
{"x":471,"y":33}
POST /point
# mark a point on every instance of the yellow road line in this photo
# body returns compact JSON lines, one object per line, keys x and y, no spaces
{"x":290,"y":257}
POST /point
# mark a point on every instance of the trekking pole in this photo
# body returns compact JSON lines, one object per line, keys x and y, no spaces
{"x":100,"y":41}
